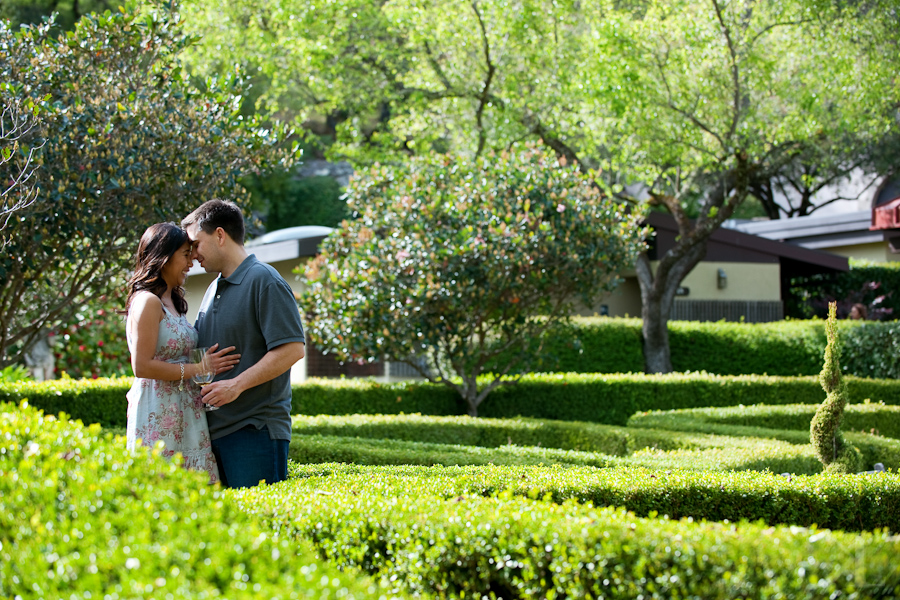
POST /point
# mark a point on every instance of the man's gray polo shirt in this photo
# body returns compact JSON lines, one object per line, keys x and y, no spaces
{"x":254,"y":310}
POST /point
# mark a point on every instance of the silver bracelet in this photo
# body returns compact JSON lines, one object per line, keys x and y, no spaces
{"x":181,"y":381}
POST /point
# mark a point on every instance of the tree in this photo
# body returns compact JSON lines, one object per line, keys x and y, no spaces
{"x":725,"y":94}
{"x":17,"y":162}
{"x":129,"y":142}
{"x":33,"y":12}
{"x":464,"y":264}
{"x":836,"y":454}
{"x":698,"y":104}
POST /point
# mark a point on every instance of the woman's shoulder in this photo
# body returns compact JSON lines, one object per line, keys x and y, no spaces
{"x":143,"y":300}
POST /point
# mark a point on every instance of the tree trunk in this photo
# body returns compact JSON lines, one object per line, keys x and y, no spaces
{"x":657,"y":295}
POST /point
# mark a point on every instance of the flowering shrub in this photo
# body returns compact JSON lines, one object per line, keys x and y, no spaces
{"x":92,"y":344}
{"x":465,"y":263}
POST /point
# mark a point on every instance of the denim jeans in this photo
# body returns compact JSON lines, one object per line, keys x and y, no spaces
{"x":248,"y":456}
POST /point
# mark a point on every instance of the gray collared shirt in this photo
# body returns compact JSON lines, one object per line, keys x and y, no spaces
{"x":254,"y":310}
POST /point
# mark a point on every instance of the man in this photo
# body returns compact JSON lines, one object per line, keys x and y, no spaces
{"x":249,"y":306}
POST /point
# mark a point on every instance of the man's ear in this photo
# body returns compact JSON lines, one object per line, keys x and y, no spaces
{"x":221,"y":236}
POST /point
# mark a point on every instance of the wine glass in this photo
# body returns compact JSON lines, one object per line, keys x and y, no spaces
{"x":205,"y":374}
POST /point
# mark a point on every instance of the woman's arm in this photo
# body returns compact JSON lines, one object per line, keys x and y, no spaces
{"x":144,"y":317}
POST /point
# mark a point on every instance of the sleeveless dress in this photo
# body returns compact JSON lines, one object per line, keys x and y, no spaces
{"x":159,"y":411}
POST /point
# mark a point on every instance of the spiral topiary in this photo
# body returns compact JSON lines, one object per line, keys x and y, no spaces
{"x":836,"y":454}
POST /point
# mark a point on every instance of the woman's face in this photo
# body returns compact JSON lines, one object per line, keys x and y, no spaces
{"x":854,"y":313}
{"x":174,"y":272}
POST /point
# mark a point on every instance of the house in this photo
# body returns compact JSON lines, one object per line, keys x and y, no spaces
{"x":742,"y":276}
{"x":871,"y":234}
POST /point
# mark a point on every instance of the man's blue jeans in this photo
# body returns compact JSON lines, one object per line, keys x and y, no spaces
{"x":248,"y":456}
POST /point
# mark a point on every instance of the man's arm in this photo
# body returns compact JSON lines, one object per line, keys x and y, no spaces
{"x":275,"y":362}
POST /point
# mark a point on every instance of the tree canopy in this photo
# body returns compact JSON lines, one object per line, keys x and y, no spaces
{"x":127,"y":141}
{"x":692,"y":107}
{"x":458,"y":266}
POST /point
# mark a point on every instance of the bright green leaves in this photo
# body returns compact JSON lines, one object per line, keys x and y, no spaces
{"x":464,"y":263}
{"x":129,"y":141}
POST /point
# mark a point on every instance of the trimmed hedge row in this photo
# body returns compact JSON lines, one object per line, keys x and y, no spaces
{"x":481,"y":532}
{"x":786,"y":348}
{"x":788,"y":423}
{"x":598,"y":398}
{"x":721,"y":454}
{"x":82,"y":517}
{"x":868,"y":417}
{"x":493,"y":433}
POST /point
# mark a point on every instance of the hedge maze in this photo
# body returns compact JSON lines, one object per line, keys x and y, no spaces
{"x":678,"y":486}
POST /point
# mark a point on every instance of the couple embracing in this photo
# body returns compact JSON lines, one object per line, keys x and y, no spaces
{"x":238,"y":428}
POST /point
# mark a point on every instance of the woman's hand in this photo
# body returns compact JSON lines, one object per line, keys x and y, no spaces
{"x":221,"y":360}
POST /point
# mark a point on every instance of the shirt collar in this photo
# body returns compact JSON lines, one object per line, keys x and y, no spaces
{"x":238,"y":276}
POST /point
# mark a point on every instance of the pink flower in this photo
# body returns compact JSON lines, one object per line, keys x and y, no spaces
{"x":560,"y":208}
{"x":81,"y":348}
{"x":100,"y":343}
{"x":402,"y":255}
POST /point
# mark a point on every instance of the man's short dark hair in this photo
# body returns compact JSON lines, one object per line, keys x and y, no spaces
{"x":218,"y":213}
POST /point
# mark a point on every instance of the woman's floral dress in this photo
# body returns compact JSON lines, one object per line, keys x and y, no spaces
{"x":160,"y":411}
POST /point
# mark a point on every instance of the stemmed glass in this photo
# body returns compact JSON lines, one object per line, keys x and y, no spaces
{"x":205,"y":374}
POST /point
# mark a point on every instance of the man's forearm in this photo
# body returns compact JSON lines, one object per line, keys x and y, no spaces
{"x":275,"y":362}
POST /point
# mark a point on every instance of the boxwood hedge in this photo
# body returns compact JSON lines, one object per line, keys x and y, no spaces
{"x":789,"y":423}
{"x":521,"y":532}
{"x":598,"y":398}
{"x":80,"y":517}
{"x":604,"y":345}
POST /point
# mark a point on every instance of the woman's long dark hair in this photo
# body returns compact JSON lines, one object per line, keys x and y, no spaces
{"x":158,"y":244}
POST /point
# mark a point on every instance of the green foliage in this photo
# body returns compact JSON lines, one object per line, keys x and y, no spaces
{"x":457,"y":262}
{"x":872,"y":284}
{"x":790,"y":423}
{"x":838,"y":455}
{"x":479,"y":532}
{"x":607,"y":399}
{"x":82,"y":517}
{"x":872,"y":350}
{"x":604,"y":345}
{"x":33,"y":12}
{"x":129,"y":142}
{"x":92,"y":343}
{"x":100,"y":401}
{"x":414,"y":439}
{"x":290,"y":201}
{"x":13,"y":373}
{"x":874,"y":418}
{"x":699,"y":453}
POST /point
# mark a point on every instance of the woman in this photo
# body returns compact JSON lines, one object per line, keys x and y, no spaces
{"x":163,"y":404}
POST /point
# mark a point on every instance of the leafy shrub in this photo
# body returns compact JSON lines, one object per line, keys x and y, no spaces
{"x":604,"y":345}
{"x":13,"y":373}
{"x":92,"y":343}
{"x":99,"y":400}
{"x":81,"y":517}
{"x":866,"y":282}
{"x":597,"y":398}
{"x":872,"y":350}
{"x":696,"y":452}
{"x":479,"y":532}
{"x":452,"y":261}
{"x":788,"y":423}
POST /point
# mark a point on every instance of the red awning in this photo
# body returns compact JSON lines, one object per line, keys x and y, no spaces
{"x":886,"y":216}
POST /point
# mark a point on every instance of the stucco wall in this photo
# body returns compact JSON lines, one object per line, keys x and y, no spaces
{"x":876,"y":252}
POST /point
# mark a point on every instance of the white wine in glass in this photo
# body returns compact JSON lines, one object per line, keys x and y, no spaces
{"x":205,"y":374}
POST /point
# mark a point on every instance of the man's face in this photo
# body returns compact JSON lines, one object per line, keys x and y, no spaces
{"x":205,"y":249}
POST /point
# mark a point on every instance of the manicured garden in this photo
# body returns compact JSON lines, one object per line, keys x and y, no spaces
{"x":721,"y":498}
